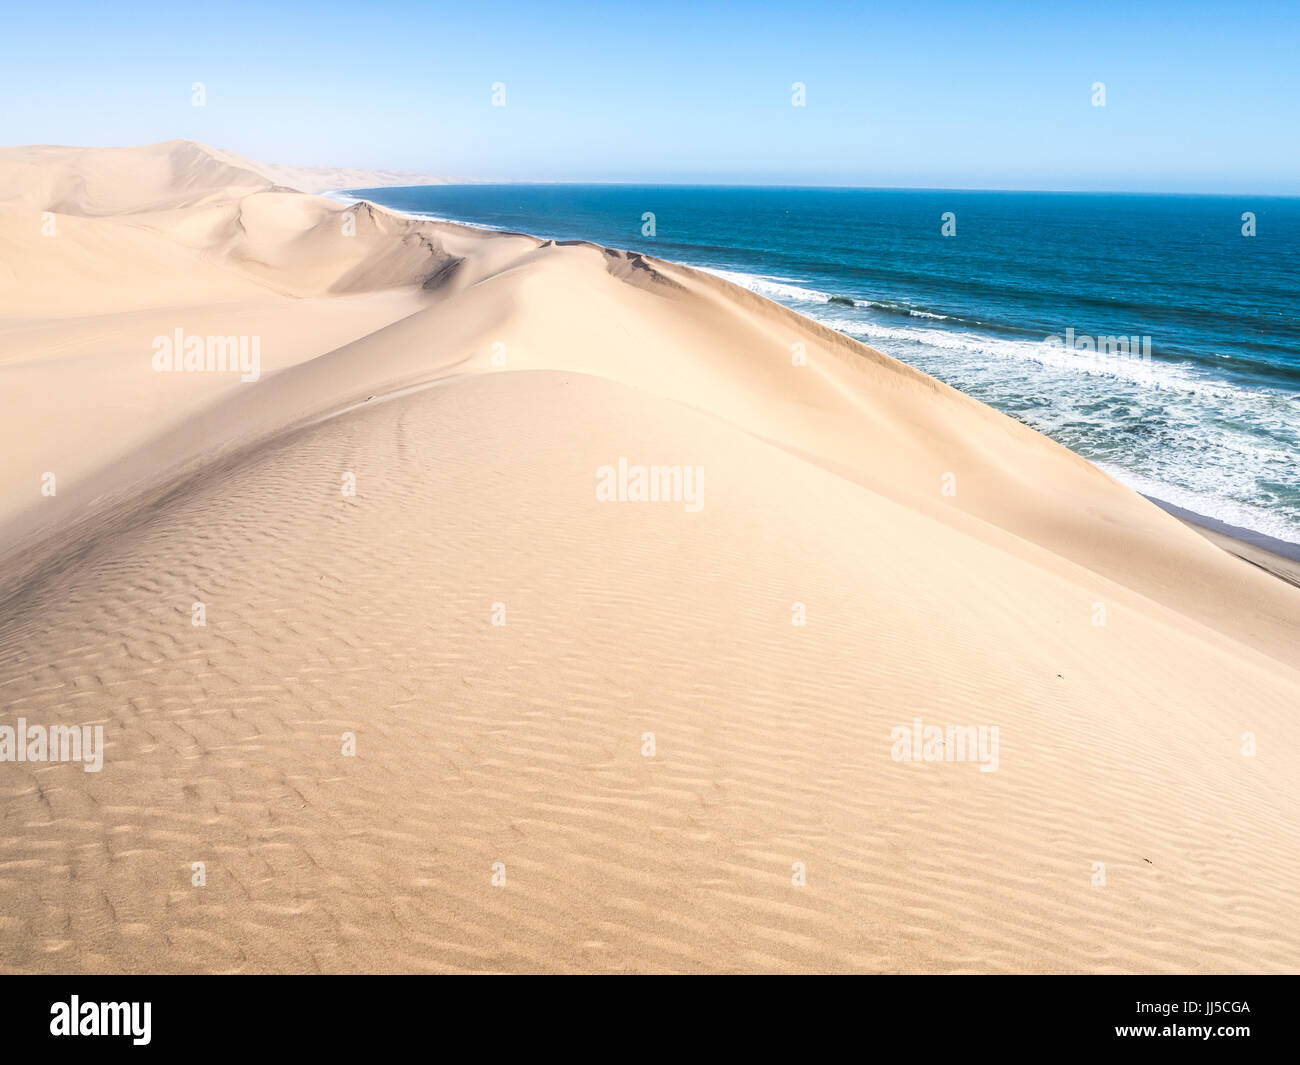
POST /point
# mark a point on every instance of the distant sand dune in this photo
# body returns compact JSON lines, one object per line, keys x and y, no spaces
{"x":522,"y":744}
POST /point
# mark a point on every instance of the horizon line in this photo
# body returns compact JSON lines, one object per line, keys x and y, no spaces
{"x":472,"y":182}
{"x":467,"y":181}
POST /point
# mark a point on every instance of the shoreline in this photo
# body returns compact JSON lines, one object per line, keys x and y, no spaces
{"x":1281,"y":558}
{"x":1277,"y":557}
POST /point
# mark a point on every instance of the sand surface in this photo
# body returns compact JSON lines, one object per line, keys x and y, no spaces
{"x":647,"y":766}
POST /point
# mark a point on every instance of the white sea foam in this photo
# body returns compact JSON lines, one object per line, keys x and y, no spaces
{"x":1155,"y":374}
{"x":794,"y":289}
{"x":1151,"y":374}
{"x":1201,"y":501}
{"x":1231,"y":438}
{"x":774,"y":288}
{"x":431,"y":217}
{"x":428,"y":216}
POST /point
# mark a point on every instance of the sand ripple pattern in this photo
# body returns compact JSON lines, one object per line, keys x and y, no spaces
{"x":522,"y":744}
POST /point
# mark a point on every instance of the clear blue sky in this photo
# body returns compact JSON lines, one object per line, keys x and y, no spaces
{"x":1200,"y":96}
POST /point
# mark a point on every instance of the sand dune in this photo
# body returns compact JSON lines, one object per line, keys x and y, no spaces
{"x":472,"y":385}
{"x":336,"y":178}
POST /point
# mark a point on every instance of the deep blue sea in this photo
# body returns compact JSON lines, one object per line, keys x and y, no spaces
{"x":1210,"y":421}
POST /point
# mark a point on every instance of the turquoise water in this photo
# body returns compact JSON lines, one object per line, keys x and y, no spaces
{"x":1209,"y":420}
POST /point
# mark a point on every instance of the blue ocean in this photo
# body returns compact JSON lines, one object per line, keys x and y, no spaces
{"x":1201,"y":407}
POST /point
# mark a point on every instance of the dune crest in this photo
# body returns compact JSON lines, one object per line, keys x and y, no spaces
{"x":586,"y":733}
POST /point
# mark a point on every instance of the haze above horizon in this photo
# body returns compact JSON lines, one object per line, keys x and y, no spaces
{"x":932,"y":95}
